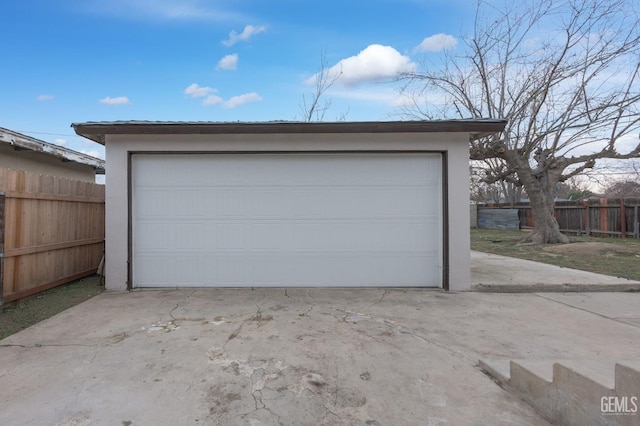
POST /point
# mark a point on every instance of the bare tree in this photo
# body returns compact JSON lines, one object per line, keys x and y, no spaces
{"x":498,"y":191}
{"x":572,"y":189}
{"x":315,"y":106}
{"x":623,"y":189}
{"x":564,"y":73}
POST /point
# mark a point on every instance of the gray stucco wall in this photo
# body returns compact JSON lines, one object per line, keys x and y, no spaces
{"x":44,"y":164}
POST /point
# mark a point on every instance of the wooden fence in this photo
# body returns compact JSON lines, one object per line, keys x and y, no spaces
{"x":600,"y":217}
{"x":51,"y":232}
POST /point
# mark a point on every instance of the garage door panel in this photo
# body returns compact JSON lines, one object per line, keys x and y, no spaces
{"x":228,"y":203}
{"x":187,"y":203}
{"x":287,"y":220}
{"x":310,"y":269}
{"x":158,"y":237}
{"x":193,"y":268}
{"x":269,"y":269}
{"x":271,"y":236}
{"x":189,"y":236}
{"x":229,"y":236}
{"x":268,"y":202}
{"x":230,"y":271}
{"x":354,"y":270}
{"x":152,"y":203}
{"x":153,"y":270}
{"x":359,"y":236}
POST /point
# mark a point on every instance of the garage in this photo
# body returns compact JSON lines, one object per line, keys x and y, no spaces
{"x":287,"y":204}
{"x":313,"y":219}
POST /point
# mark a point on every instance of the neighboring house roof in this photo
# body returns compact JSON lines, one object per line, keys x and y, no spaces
{"x":22,"y":142}
{"x":96,"y":131}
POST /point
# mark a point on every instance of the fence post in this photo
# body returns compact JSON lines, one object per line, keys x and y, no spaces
{"x":587,"y":218}
{"x":636,"y":225}
{"x":531,"y":224}
{"x":580,"y":221}
{"x":623,"y":220}
{"x":604,"y":216}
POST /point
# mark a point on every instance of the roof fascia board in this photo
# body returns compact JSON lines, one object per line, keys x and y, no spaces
{"x":96,"y":131}
{"x":22,"y":142}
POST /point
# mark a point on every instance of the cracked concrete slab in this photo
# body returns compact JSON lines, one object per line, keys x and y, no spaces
{"x":291,"y":357}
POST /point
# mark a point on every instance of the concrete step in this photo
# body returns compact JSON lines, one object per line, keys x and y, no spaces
{"x":627,"y":377}
{"x":498,"y":369}
{"x":574,"y":392}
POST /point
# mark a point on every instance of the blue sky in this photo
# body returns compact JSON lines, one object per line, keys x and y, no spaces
{"x":70,"y":61}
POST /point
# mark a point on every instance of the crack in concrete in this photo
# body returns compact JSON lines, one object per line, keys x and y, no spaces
{"x":308,"y":311}
{"x":400,"y":328}
{"x":257,"y":385}
{"x":108,"y":341}
{"x":621,"y":321}
{"x":386,"y":291}
{"x":256,"y":391}
{"x":325,"y":403}
{"x":311,"y":296}
{"x":311,"y":305}
{"x":188,"y":296}
{"x":46,"y":345}
{"x":337,"y":377}
{"x":259,"y":310}
{"x":233,"y":335}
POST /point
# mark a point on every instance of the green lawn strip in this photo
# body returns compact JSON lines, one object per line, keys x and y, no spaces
{"x":621,"y":261}
{"x":34,"y":309}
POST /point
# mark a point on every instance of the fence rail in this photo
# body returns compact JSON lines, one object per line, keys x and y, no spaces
{"x":601,"y":217}
{"x":51,"y":232}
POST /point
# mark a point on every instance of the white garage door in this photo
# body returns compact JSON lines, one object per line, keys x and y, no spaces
{"x":240,"y":220}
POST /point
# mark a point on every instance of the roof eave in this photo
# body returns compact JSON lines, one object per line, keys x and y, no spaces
{"x":27,"y":143}
{"x":96,"y":131}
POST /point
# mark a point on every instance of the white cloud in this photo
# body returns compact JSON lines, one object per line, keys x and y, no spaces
{"x":242,"y":99}
{"x":436,"y":43}
{"x":120,"y":100}
{"x":212,"y":100}
{"x":61,"y":142}
{"x":374,"y":63}
{"x":196,"y":91}
{"x":45,"y":98}
{"x":228,"y":63}
{"x":627,"y":143}
{"x":248,"y":32}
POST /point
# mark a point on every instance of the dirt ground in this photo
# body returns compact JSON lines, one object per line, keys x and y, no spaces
{"x":592,"y":248}
{"x":26,"y":312}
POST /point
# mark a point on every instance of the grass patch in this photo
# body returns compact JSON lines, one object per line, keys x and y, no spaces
{"x":609,"y":256}
{"x":34,"y":309}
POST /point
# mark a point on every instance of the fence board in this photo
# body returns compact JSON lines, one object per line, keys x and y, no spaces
{"x":597,"y":217}
{"x":53,"y":230}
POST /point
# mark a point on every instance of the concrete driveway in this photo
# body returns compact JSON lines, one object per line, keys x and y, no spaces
{"x":295,"y":357}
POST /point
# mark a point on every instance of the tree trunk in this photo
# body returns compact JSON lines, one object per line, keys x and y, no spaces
{"x":545,"y":227}
{"x":539,"y":188}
